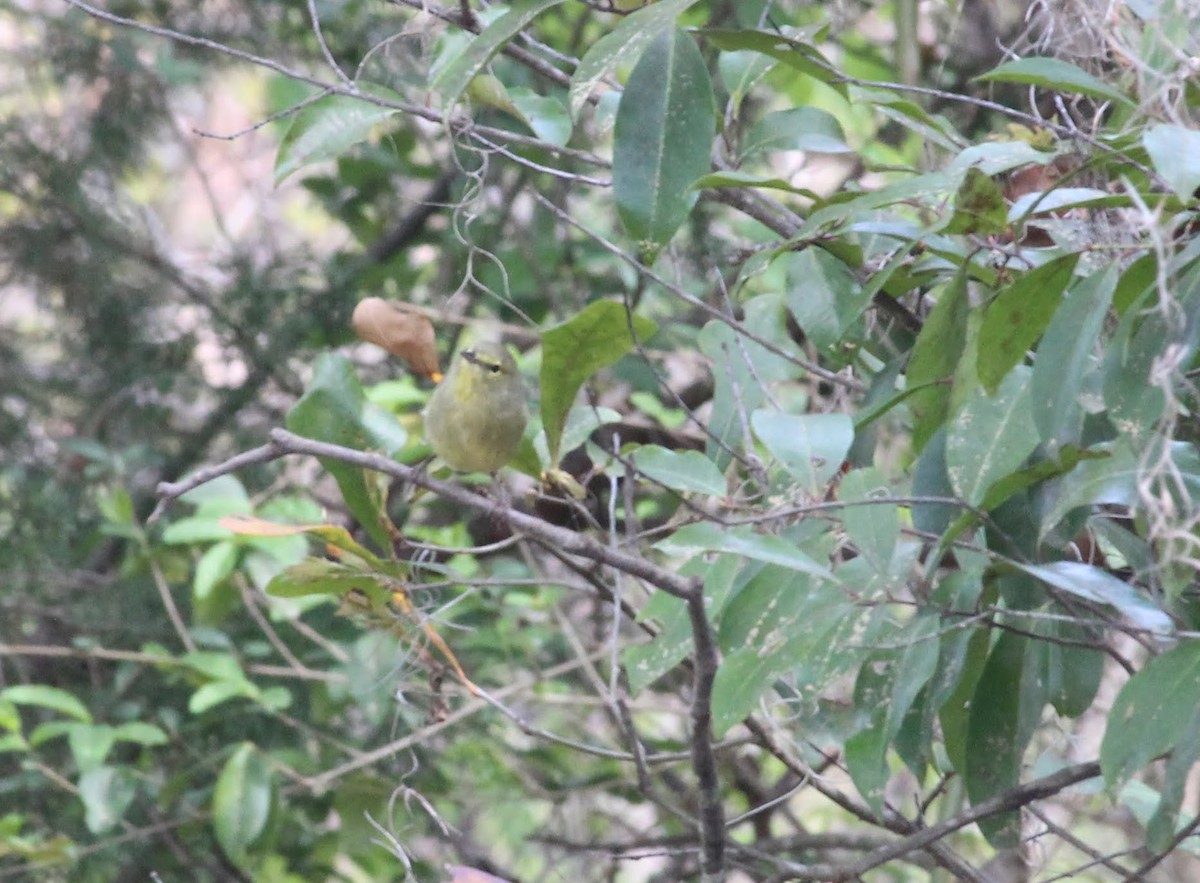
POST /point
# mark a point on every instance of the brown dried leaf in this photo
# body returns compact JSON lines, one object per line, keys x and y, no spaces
{"x":400,"y":330}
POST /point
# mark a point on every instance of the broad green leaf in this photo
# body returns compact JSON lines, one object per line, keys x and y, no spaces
{"x":53,"y":698}
{"x":791,"y":50}
{"x":1111,"y":480}
{"x":866,"y":750}
{"x":331,"y":410}
{"x":224,"y":491}
{"x":646,"y":663}
{"x":241,"y":800}
{"x":545,"y":115}
{"x":1073,"y":673}
{"x":823,"y":295}
{"x":663,"y":139}
{"x":994,"y":741}
{"x":1135,"y":403}
{"x":1094,"y":584}
{"x":106,"y":793}
{"x":575,"y":350}
{"x":955,"y":712}
{"x":1175,"y":152}
{"x":778,"y":626}
{"x":798,"y":128}
{"x":195,"y":529}
{"x":140,"y":734}
{"x":622,"y":44}
{"x":1018,"y":315}
{"x":452,"y":81}
{"x":706,"y":536}
{"x":979,"y":206}
{"x":684,"y":471}
{"x":214,"y":693}
{"x":327,"y":128}
{"x":1054,"y":73}
{"x":934,"y":357}
{"x":990,"y":437}
{"x":741,"y":72}
{"x":316,"y":576}
{"x":1064,"y":358}
{"x":811,"y":447}
{"x":740,"y":368}
{"x":873,"y":524}
{"x":887,"y":687}
{"x":214,"y":565}
{"x":930,"y":480}
{"x":1152,"y":713}
{"x":581,"y":422}
{"x":90,"y":744}
{"x":1164,"y":824}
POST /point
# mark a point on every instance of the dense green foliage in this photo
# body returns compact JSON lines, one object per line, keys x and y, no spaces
{"x":853,"y":537}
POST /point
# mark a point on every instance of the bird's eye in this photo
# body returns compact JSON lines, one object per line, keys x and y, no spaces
{"x":495,"y":369}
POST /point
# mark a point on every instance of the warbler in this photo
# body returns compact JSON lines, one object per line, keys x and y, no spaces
{"x":477,"y":415}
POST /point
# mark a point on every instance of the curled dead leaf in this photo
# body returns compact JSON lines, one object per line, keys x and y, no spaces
{"x":401,"y":331}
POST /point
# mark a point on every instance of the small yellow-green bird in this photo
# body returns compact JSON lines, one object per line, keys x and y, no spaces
{"x":477,"y":415}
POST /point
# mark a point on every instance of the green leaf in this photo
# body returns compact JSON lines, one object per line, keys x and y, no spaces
{"x":823,"y":295}
{"x":798,"y":128}
{"x":140,"y":734}
{"x":1112,"y":480}
{"x":777,"y":622}
{"x":792,"y":51}
{"x":331,"y":410}
{"x":52,"y":698}
{"x":740,"y":369}
{"x":979,"y":206}
{"x":1175,"y":152}
{"x":874,"y":524}
{"x":994,"y":741}
{"x":622,"y":44}
{"x":646,"y":663}
{"x":1064,"y":358}
{"x":195,"y":529}
{"x":990,"y":437}
{"x":663,"y":139}
{"x":888,"y":687}
{"x":706,"y":536}
{"x":1094,"y":584}
{"x":452,"y":81}
{"x":1053,"y":73}
{"x":316,"y":576}
{"x":934,"y":357}
{"x":580,"y":423}
{"x":241,"y":801}
{"x":106,"y":793}
{"x":811,"y":447}
{"x":1018,"y":315}
{"x":214,"y":693}
{"x":328,"y":127}
{"x":965,"y":667}
{"x":1163,"y":825}
{"x":545,"y":115}
{"x":1152,"y":713}
{"x":214,"y":565}
{"x":684,"y":471}
{"x":90,"y":744}
{"x":575,"y":350}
